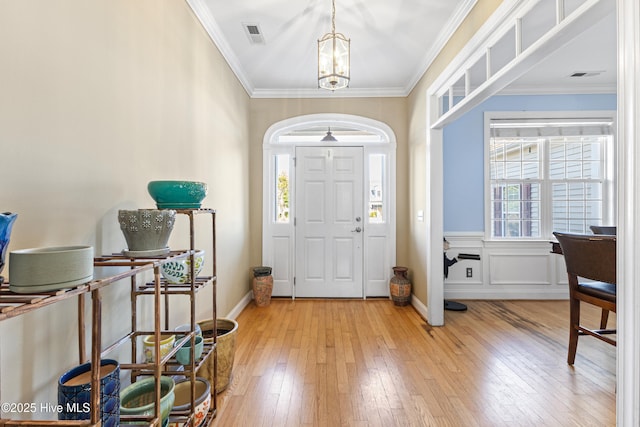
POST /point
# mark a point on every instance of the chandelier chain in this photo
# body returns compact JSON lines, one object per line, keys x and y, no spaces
{"x":333,"y":16}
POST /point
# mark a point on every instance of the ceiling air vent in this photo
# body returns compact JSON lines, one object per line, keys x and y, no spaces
{"x":586,"y":73}
{"x":254,"y":33}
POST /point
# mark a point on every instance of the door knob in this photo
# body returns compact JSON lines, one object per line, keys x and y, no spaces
{"x":356,"y":230}
{"x":358,"y":219}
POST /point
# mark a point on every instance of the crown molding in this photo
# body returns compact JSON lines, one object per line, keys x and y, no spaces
{"x":472,"y":49}
{"x":215,"y":34}
{"x":443,"y":37}
{"x":322,"y":93}
{"x":207,"y":21}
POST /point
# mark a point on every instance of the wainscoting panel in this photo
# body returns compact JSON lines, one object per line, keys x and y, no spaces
{"x":506,"y":269}
{"x":519,"y":269}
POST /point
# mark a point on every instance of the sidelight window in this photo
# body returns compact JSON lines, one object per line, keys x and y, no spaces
{"x":376,"y":193}
{"x":281,"y":188}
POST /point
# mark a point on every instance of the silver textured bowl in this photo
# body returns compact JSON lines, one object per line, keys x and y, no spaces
{"x":146,"y":231}
{"x":50,"y":268}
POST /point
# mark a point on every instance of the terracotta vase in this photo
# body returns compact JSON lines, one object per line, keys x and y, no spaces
{"x":400,"y":286}
{"x":262,"y":286}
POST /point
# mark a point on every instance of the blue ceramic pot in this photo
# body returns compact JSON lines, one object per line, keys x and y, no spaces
{"x":74,"y":393}
{"x":6,"y":223}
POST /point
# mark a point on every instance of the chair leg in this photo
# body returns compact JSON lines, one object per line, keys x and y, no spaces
{"x":574,"y":316}
{"x":604,"y":318}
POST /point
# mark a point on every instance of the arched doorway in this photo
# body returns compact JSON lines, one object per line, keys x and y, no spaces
{"x":329,"y":215}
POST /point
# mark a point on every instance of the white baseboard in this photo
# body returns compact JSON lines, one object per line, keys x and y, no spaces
{"x":419,"y":306}
{"x":497,"y":294}
{"x":245,"y":301}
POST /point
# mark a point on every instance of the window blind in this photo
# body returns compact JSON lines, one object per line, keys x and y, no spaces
{"x":527,"y":128}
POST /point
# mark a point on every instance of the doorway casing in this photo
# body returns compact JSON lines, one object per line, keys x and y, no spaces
{"x":378,"y":142}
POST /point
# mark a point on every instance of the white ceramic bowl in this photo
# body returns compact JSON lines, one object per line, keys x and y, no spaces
{"x":49,"y":269}
{"x":179,"y":271}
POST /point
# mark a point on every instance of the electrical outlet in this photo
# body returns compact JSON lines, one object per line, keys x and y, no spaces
{"x":469,"y":272}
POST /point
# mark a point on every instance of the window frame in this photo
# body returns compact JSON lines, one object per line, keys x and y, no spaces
{"x":546,"y":216}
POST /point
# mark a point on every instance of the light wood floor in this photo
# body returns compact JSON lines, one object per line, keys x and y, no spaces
{"x":370,"y":363}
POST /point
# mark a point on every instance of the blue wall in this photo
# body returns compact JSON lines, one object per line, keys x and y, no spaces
{"x":464,"y":152}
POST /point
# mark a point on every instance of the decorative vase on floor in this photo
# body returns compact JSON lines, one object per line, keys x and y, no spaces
{"x":6,"y":223}
{"x":146,"y":231}
{"x":262,"y":286}
{"x":400,"y":286}
{"x":227,"y":330}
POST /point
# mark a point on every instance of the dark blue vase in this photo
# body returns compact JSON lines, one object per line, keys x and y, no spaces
{"x":74,"y":394}
{"x":6,"y":222}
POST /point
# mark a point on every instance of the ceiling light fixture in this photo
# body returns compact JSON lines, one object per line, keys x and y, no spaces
{"x":334,"y":68}
{"x":329,"y":137}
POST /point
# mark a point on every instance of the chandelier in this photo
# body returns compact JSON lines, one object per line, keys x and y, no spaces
{"x":333,"y":57}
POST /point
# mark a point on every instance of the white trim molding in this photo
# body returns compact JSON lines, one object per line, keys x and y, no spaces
{"x":459,"y":15}
{"x":279,"y":237}
{"x":505,"y":270}
{"x":419,"y":307}
{"x":500,"y":25}
{"x":503,"y":20}
{"x":628,"y":263}
{"x":242,"y":304}
{"x":212,"y":28}
{"x":208,"y":22}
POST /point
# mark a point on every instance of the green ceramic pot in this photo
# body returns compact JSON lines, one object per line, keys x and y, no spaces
{"x":49,"y":269}
{"x":139,"y":398}
{"x":183,"y":355}
{"x":177,"y":194}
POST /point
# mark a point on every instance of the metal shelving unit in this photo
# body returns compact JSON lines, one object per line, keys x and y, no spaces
{"x":12,"y":305}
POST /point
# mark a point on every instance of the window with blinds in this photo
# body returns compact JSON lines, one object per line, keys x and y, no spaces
{"x":546,"y":175}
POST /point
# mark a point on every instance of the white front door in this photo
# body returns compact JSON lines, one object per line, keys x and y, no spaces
{"x":329,"y":222}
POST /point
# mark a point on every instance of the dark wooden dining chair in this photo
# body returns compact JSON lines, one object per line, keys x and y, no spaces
{"x":611,"y":231}
{"x":603,"y":229}
{"x":589,"y":257}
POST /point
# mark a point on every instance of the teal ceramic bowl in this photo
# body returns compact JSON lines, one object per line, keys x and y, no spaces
{"x":139,"y":398}
{"x":177,"y":194}
{"x":183,"y":355}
